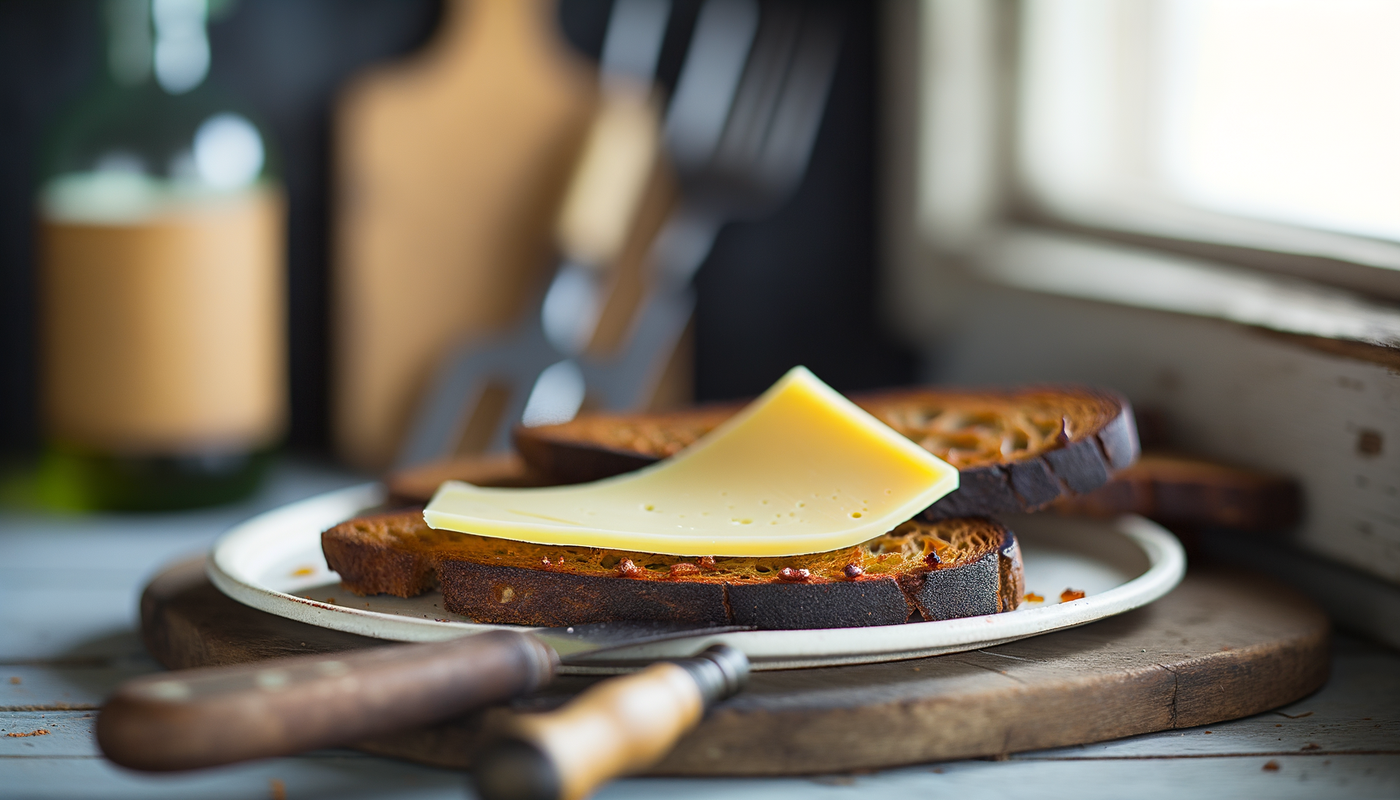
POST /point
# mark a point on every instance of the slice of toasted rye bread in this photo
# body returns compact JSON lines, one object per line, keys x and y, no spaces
{"x":919,"y":571}
{"x":1182,"y":490}
{"x":1017,"y":450}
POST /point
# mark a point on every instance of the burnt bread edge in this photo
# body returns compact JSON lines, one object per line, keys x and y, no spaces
{"x":1271,"y":508}
{"x":1255,"y":501}
{"x":579,"y":465}
{"x":498,"y":594}
{"x":502,"y":594}
{"x":953,"y":593}
{"x":1011,"y":582}
{"x":805,"y":606}
{"x":956,"y":593}
{"x":526,"y":596}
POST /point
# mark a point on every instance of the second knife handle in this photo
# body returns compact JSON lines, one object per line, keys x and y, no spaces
{"x":619,"y":726}
{"x":221,"y":715}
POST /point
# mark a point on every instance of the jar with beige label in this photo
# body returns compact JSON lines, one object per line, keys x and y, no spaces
{"x":161,"y":278}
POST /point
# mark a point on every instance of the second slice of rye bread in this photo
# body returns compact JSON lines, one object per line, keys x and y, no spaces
{"x":920,"y":571}
{"x":1016,"y":449}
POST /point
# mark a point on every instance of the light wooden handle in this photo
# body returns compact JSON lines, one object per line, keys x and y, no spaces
{"x":619,"y":726}
{"x":610,"y":180}
{"x":221,"y":715}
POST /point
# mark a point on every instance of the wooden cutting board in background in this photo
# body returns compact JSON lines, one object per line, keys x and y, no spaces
{"x":450,"y":167}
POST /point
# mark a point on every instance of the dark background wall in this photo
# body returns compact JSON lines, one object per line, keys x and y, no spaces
{"x":796,"y":288}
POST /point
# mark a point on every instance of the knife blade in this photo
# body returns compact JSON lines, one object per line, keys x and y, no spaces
{"x":221,"y":715}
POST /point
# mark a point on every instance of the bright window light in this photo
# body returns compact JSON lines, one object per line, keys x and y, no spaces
{"x":1285,"y":109}
{"x":1279,"y":110}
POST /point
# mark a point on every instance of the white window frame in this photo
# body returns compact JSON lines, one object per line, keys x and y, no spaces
{"x":967,"y":200}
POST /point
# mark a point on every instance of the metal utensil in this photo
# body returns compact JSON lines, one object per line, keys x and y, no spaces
{"x":221,"y":715}
{"x":740,"y":131}
{"x":743,"y":169}
{"x":597,"y":214}
{"x":710,"y":76}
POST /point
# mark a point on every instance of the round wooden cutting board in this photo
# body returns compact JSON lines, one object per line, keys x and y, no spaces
{"x":1222,"y":645}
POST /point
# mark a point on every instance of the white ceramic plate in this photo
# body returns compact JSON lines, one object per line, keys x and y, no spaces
{"x":273,"y":562}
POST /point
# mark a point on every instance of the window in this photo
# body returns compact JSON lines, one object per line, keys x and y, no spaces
{"x":1266,"y":124}
{"x":1255,"y":134}
{"x":1257,"y":138}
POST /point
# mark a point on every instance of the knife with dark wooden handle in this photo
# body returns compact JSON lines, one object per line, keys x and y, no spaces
{"x":222,"y":715}
{"x":617,"y":727}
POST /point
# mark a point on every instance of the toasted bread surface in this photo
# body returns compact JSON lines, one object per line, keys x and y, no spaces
{"x":1016,"y":450}
{"x":923,"y":570}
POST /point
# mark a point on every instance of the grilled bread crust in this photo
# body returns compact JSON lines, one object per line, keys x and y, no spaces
{"x":920,"y":571}
{"x":1183,"y":490}
{"x":1016,"y":450}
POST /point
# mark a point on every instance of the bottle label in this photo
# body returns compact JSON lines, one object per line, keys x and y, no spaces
{"x":166,"y":334}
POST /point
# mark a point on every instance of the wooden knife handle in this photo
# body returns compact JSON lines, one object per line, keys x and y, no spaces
{"x":619,"y":726}
{"x":220,"y":715}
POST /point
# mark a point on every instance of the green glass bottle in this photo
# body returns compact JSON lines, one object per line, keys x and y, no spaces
{"x":161,"y":229}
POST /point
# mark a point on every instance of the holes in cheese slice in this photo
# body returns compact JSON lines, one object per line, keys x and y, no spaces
{"x":845,"y":477}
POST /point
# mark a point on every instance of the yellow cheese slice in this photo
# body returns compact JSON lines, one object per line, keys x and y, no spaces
{"x":800,"y":470}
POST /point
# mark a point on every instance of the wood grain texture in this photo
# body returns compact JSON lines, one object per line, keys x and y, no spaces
{"x":450,"y":168}
{"x":615,"y":728}
{"x":1223,"y":645}
{"x":241,"y":712}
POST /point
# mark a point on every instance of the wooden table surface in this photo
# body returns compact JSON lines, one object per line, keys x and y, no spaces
{"x":68,"y":592}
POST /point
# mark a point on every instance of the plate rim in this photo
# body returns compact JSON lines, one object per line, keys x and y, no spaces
{"x":768,"y":649}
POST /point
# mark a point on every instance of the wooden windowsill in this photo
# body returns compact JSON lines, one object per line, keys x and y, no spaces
{"x":1066,"y":264}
